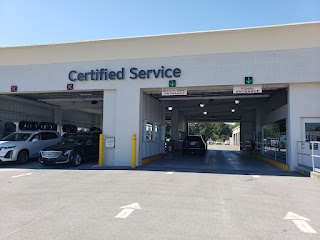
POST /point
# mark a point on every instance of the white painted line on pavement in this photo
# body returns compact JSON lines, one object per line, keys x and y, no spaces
{"x":304,"y":226}
{"x":124,"y":213}
{"x":21,"y":175}
{"x":132,"y":206}
{"x":300,"y":222}
{"x":128,"y":210}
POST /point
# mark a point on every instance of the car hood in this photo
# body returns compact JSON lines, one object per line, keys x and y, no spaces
{"x":11,"y":143}
{"x":61,"y":147}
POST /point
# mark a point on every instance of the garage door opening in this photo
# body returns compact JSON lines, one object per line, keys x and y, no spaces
{"x":62,"y":112}
{"x":247,"y":116}
{"x":212,"y":133}
{"x":82,"y":109}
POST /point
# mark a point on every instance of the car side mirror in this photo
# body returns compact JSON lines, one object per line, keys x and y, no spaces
{"x":35,"y":140}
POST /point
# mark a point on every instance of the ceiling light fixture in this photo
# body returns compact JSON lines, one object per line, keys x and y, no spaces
{"x":170,"y":108}
{"x":205,"y":113}
{"x":233,"y":110}
{"x":202,"y":105}
{"x":237,"y":101}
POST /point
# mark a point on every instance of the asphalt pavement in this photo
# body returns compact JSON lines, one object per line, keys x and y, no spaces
{"x":85,"y":203}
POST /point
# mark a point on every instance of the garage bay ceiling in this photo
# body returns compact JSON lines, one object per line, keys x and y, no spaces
{"x":91,"y":102}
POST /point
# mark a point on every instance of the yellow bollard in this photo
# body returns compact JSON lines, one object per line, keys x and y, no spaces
{"x":101,"y":147}
{"x":133,"y":152}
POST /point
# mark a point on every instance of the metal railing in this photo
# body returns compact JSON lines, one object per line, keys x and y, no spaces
{"x":313,"y":144}
{"x":309,"y":151}
{"x":273,"y":152}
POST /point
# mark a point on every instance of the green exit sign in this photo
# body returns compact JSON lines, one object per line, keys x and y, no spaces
{"x":248,"y":80}
{"x":172,"y":83}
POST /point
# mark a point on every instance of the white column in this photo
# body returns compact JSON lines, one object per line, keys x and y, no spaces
{"x":109,"y":124}
{"x":128,"y":114}
{"x":303,"y":102}
{"x":121,"y":116}
{"x":293,"y":130}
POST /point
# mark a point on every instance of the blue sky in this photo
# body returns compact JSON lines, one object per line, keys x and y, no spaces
{"x":26,"y":22}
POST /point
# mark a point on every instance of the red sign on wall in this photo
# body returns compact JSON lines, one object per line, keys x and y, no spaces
{"x":14,"y":88}
{"x":70,"y":86}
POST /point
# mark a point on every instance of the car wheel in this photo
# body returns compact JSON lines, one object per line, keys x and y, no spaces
{"x":23,"y":157}
{"x":77,"y":159}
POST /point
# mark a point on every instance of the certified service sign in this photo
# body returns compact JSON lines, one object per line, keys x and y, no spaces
{"x":247,"y":89}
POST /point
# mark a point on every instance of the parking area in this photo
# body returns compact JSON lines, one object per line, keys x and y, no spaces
{"x":137,"y":204}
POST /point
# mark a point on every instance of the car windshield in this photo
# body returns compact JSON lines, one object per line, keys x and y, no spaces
{"x":17,"y":137}
{"x":71,"y":140}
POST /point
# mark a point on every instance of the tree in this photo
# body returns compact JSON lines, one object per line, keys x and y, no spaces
{"x":211,"y":130}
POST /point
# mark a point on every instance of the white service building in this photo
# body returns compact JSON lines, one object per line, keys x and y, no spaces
{"x":122,"y":85}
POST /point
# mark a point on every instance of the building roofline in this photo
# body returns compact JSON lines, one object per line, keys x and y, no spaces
{"x":166,"y":35}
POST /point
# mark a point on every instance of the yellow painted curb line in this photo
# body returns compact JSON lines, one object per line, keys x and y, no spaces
{"x":274,"y":163}
{"x":152,"y":158}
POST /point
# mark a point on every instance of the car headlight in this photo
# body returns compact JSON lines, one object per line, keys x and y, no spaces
{"x":68,"y":152}
{"x":9,"y":147}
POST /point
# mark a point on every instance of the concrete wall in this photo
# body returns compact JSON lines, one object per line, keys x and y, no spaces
{"x":152,"y":112}
{"x":179,"y":128}
{"x":247,"y":126}
{"x":273,"y":110}
{"x":273,"y":67}
{"x":121,"y":119}
{"x":303,"y":102}
{"x":272,"y":38}
{"x":80,"y":119}
{"x":235,"y":139}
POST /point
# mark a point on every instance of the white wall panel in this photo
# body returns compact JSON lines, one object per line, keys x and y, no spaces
{"x":153,"y":109}
{"x":303,"y":102}
{"x":273,"y":110}
{"x":198,"y":70}
{"x":80,"y":119}
{"x":270,"y":38}
{"x":247,"y":126}
{"x":182,"y":123}
{"x":16,"y":110}
{"x":153,"y":112}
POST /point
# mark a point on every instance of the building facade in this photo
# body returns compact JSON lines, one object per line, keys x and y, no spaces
{"x":132,"y":76}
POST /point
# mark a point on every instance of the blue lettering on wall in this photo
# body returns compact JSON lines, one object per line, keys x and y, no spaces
{"x":135,"y":73}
